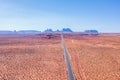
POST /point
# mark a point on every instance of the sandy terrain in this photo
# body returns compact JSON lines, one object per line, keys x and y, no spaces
{"x":35,"y":57}
{"x":31,"y":58}
{"x":95,"y":57}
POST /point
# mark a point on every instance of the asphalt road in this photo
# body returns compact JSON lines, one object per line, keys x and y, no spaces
{"x":68,"y":65}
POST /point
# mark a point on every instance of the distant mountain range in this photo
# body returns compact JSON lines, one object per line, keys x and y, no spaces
{"x":46,"y":31}
{"x":5,"y":32}
{"x":33,"y":31}
{"x":19,"y":32}
{"x":63,"y":30}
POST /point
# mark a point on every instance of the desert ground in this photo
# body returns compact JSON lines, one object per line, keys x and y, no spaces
{"x":37,"y":57}
{"x":94,"y":57}
{"x":31,"y":57}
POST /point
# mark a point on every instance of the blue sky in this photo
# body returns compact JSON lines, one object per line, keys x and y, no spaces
{"x":79,"y":15}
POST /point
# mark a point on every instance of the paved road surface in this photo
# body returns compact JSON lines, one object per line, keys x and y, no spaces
{"x":68,"y":65}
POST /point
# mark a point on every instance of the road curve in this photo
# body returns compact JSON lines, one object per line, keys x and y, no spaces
{"x":68,"y":65}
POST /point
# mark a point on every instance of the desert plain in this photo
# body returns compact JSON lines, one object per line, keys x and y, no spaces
{"x":31,"y":57}
{"x":35,"y":57}
{"x":94,"y":57}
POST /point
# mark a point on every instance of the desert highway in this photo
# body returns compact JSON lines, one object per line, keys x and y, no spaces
{"x":68,"y":65}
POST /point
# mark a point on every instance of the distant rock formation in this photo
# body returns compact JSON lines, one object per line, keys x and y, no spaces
{"x":20,"y":32}
{"x":95,"y":32}
{"x":28,"y":31}
{"x":48,"y":30}
{"x":57,"y":30}
{"x":6,"y":32}
{"x":66,"y":30}
{"x":63,"y":30}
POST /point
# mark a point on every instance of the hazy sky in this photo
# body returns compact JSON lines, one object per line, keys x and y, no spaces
{"x":79,"y":15}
